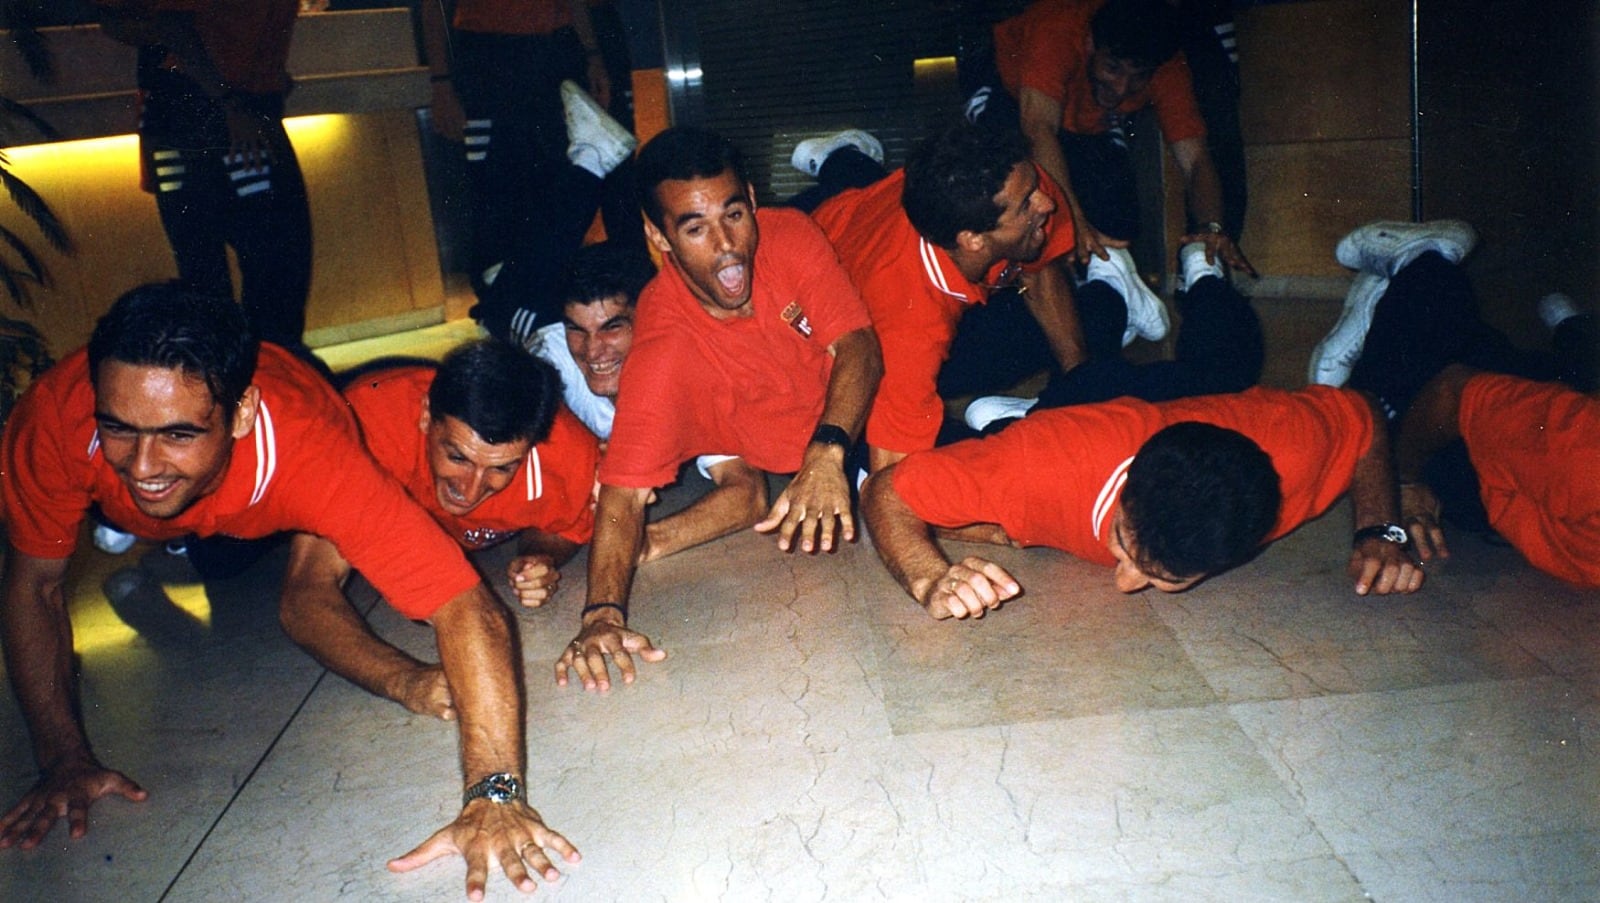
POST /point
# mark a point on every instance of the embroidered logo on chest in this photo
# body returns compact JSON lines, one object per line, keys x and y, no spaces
{"x":795,"y":316}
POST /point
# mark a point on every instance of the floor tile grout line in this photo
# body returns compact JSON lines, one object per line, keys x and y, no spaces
{"x":265,"y":754}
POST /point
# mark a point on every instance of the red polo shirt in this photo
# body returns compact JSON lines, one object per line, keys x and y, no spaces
{"x":748,"y":386}
{"x":552,"y":492}
{"x":916,"y":296}
{"x":302,"y":468}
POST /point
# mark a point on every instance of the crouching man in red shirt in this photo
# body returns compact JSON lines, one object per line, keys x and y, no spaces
{"x":175,"y":420}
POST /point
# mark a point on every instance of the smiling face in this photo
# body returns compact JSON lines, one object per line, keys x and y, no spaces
{"x":1020,"y":233}
{"x":599,"y":336}
{"x":164,"y":435}
{"x":708,"y":231}
{"x":1131,"y":576}
{"x":467,"y":470}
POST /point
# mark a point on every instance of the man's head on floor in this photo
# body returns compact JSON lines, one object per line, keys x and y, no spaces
{"x":601,"y":288}
{"x":172,"y":373}
{"x":974,"y":192}
{"x":1198,"y":500}
{"x":700,"y":214}
{"x":488,"y":404}
{"x":1129,"y":40}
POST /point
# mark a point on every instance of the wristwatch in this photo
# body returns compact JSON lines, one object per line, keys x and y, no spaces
{"x":1387,"y":532}
{"x":1215,"y":228}
{"x":500,"y":787}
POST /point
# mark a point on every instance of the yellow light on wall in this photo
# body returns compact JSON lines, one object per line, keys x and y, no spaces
{"x":933,"y":65}
{"x":323,"y":129}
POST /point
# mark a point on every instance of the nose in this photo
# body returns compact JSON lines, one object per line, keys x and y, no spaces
{"x":1045,"y":203}
{"x":1130,"y":579}
{"x":146,"y":462}
{"x":724,"y":238}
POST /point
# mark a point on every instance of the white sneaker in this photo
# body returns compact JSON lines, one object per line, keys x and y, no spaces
{"x":111,"y":540}
{"x":1147,"y":315}
{"x":986,"y":410}
{"x":1336,"y":355}
{"x":1556,"y":307}
{"x":809,"y":154}
{"x":1385,"y":248}
{"x":595,"y":141}
{"x":1192,"y":263}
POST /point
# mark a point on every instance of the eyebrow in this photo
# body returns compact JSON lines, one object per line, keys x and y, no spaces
{"x":182,"y":426}
{"x":738,"y":198}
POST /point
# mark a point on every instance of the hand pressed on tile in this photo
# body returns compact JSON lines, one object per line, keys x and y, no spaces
{"x":586,"y":654}
{"x":818,"y":496}
{"x":1380,"y":568}
{"x":65,"y":791}
{"x":425,"y":691}
{"x":512,"y":833}
{"x":970,"y":587}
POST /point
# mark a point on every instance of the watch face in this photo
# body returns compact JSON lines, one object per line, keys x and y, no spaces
{"x":1396,"y":535}
{"x":503,"y":789}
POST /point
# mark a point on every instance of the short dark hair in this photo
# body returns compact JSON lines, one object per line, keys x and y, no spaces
{"x":1199,"y":499}
{"x":683,"y":153}
{"x":606,"y":270}
{"x":953,"y":177}
{"x":1143,"y":32}
{"x":166,"y":325}
{"x":500,"y":391}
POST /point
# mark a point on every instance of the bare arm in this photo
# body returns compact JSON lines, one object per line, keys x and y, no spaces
{"x":599,"y":79}
{"x":905,"y":544}
{"x":37,"y":636}
{"x":476,"y":649}
{"x":1041,"y":121}
{"x":819,"y":494}
{"x":316,"y":614}
{"x":1378,"y":566}
{"x":536,"y":571}
{"x":1048,"y":294}
{"x":1203,"y":194}
{"x":1432,"y":422}
{"x":603,"y":631}
{"x":738,"y":501}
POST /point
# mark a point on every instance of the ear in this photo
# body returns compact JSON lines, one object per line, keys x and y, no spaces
{"x":244,"y":415}
{"x":750,"y":195}
{"x":972,"y":243}
{"x":656,"y":238}
{"x":426,"y":419}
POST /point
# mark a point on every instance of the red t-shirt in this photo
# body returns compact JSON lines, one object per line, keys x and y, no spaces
{"x":302,"y":467}
{"x":513,"y":16}
{"x":1054,"y":478}
{"x":553,"y":490}
{"x":1536,"y":447}
{"x":247,"y":40}
{"x":1047,"y":48}
{"x":916,"y":295}
{"x":750,"y":386}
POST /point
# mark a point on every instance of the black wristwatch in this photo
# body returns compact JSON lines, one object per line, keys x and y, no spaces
{"x":1387,"y":532}
{"x":500,"y":787}
{"x":828,"y":434}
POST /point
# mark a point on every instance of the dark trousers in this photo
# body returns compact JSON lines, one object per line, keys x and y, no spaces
{"x":209,"y":202}
{"x":1220,"y":349}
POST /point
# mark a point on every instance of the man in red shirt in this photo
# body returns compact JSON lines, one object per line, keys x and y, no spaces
{"x":175,"y":421}
{"x":483,"y":444}
{"x":751,"y":341}
{"x":1166,"y":494}
{"x":1076,"y":70}
{"x":926,"y":244}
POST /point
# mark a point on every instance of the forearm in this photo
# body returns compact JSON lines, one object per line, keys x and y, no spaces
{"x":857,"y":367}
{"x":618,"y":536}
{"x":476,"y":651}
{"x":737,"y":502}
{"x":1431,"y":423}
{"x":1374,"y":496}
{"x":904,"y":542}
{"x":1202,"y":186}
{"x":1048,"y":295}
{"x":1041,"y":121}
{"x":37,"y":637}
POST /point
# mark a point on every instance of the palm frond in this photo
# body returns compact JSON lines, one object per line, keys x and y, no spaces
{"x":29,"y":259}
{"x":18,"y":18}
{"x":34,"y":207}
{"x":21,"y":111}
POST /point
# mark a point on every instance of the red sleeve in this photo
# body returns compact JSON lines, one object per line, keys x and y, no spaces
{"x":1050,"y":49}
{"x":965,"y":483}
{"x":650,"y":435}
{"x":45,"y":485}
{"x":1172,"y":92}
{"x":907,"y":410}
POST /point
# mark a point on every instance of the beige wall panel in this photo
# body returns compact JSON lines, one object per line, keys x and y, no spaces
{"x":1305,"y":197}
{"x":1334,"y":69}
